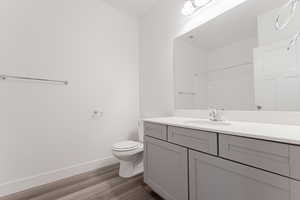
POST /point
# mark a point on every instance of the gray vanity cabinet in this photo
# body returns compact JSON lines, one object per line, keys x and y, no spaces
{"x":295,"y":162}
{"x":199,"y":140}
{"x":166,"y":169}
{"x":187,"y":164}
{"x":213,"y":178}
{"x":155,"y":130}
{"x":269,"y":156}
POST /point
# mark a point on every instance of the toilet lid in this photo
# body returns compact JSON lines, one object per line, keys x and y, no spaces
{"x":125,"y":146}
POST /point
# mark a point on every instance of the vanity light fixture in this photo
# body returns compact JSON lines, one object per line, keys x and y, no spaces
{"x":192,"y":6}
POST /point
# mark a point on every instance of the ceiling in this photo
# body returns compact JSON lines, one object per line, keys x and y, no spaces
{"x":234,"y":25}
{"x":134,"y":7}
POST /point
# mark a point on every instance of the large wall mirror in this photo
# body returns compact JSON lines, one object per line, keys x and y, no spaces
{"x":246,"y":59}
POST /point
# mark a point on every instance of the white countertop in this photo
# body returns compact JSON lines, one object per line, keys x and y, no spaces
{"x":272,"y":132}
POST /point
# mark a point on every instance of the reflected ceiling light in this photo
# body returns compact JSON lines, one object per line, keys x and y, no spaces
{"x":289,"y":9}
{"x":188,"y":8}
{"x":284,"y":18}
{"x":191,"y":6}
{"x":201,"y":3}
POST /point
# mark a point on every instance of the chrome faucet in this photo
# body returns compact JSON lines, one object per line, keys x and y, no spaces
{"x":215,"y":115}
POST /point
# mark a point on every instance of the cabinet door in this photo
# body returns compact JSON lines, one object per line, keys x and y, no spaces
{"x":213,"y":178}
{"x":166,"y":169}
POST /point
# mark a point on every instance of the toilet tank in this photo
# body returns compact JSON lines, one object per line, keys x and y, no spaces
{"x":141,"y":130}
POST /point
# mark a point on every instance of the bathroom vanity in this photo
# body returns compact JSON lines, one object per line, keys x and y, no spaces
{"x":248,"y":58}
{"x":190,"y":159}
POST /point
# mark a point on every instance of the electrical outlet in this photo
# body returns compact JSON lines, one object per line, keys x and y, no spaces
{"x":97,"y":114}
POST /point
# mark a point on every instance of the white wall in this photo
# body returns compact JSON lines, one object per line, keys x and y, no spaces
{"x":158,"y":30}
{"x":47,"y":131}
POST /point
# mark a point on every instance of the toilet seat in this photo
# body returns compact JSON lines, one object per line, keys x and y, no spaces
{"x":126,"y":146}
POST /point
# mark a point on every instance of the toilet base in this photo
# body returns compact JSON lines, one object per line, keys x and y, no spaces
{"x":130,"y":169}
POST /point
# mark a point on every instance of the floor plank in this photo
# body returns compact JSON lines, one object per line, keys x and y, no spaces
{"x":102,"y":184}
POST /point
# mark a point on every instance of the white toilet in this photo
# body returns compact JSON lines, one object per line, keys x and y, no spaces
{"x":130,"y":155}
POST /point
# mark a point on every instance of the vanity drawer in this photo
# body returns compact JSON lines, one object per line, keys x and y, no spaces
{"x":270,"y":156}
{"x":199,"y":140}
{"x":155,"y":130}
{"x":295,"y":162}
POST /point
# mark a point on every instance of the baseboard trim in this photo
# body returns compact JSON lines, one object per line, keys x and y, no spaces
{"x":48,"y":177}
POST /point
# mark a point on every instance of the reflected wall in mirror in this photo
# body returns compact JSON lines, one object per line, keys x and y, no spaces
{"x":240,"y":61}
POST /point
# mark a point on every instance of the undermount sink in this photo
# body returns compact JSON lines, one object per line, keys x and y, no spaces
{"x":208,"y":122}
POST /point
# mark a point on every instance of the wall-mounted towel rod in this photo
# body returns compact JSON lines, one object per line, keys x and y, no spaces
{"x":231,"y":66}
{"x":5,"y":77}
{"x":186,"y":93}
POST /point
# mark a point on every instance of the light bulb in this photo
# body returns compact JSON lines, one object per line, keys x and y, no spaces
{"x":286,"y":14}
{"x":201,"y":3}
{"x":188,"y":8}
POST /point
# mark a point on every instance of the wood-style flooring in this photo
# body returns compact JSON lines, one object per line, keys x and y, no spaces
{"x":102,"y":184}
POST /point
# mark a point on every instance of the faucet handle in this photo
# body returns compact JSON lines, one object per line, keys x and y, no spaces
{"x":215,"y":115}
{"x":212,"y":114}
